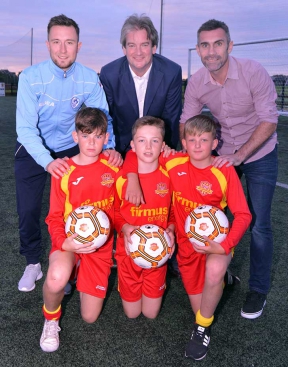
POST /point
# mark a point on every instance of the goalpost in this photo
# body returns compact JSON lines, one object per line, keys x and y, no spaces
{"x":18,"y":55}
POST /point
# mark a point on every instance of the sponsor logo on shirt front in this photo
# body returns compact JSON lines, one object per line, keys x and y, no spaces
{"x":186,"y":203}
{"x":205,"y":188}
{"x":181,"y":173}
{"x":107,"y":180}
{"x":161,"y":189}
{"x":105,"y":203}
{"x":151,"y":214}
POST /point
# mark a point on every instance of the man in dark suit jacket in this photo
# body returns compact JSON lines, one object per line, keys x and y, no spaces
{"x":142,"y":83}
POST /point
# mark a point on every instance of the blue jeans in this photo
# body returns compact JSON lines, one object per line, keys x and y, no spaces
{"x":261,"y":177}
{"x":30,"y":183}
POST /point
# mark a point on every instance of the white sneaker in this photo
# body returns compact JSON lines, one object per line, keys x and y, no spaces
{"x":49,"y":341}
{"x":31,"y":274}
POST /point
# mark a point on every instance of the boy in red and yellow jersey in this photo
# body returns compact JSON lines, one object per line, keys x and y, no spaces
{"x":141,"y":290}
{"x":90,"y":181}
{"x":195,"y":181}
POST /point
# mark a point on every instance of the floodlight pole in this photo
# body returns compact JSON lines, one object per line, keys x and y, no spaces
{"x":161,"y":23}
{"x":31,"y":45}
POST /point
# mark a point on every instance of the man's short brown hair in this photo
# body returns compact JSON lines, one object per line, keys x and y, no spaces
{"x":62,"y":20}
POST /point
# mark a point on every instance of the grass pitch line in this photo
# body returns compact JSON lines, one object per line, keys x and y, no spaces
{"x":285,"y":186}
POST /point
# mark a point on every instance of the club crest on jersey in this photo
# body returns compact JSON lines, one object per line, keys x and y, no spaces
{"x":204,"y":188}
{"x":74,"y":102}
{"x":107,"y":180}
{"x":162,"y":189}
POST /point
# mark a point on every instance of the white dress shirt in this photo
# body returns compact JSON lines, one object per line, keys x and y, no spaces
{"x":141,"y":83}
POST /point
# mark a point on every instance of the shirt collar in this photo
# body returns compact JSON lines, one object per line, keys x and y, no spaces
{"x":231,"y":74}
{"x":60,"y":73}
{"x":145,"y":76}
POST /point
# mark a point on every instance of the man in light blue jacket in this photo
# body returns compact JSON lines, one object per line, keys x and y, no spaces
{"x":49,"y":96}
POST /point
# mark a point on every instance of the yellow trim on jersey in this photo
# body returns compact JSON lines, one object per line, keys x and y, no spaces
{"x":64,"y":187}
{"x":161,"y":169}
{"x":175,"y":162}
{"x":223,"y":184}
{"x":104,"y":161}
{"x":119,"y":186}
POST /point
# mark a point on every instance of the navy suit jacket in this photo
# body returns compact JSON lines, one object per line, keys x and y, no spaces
{"x":163,"y":98}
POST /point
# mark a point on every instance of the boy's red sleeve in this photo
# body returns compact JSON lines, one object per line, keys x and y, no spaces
{"x":238,"y":206}
{"x":130,"y":164}
{"x":55,"y":218}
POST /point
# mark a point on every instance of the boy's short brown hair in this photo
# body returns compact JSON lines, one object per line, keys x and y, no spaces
{"x":149,"y":121}
{"x":200,"y":124}
{"x":89,"y":119}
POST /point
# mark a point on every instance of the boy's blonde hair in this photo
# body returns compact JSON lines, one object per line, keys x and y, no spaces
{"x":89,"y":119}
{"x":149,"y":121}
{"x":198,"y":125}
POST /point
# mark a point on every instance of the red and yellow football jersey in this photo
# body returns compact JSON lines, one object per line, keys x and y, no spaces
{"x":156,"y":210}
{"x":219,"y":187}
{"x":92,"y":184}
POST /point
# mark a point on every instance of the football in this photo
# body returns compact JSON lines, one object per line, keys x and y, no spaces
{"x":209,"y":221}
{"x":90,"y":223}
{"x":151,"y":246}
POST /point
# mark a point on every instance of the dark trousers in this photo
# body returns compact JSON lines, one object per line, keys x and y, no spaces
{"x":30,"y":183}
{"x":260,"y":176}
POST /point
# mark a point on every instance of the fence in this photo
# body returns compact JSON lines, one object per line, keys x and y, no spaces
{"x":11,"y":89}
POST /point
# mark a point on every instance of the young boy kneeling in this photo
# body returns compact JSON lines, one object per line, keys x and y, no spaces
{"x":141,"y":290}
{"x":90,"y":181}
{"x":203,"y":268}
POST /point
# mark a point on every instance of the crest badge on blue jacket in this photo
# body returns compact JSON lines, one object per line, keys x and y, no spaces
{"x":74,"y":102}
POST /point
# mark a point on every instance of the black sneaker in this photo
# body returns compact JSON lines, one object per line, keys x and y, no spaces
{"x":253,"y":305}
{"x":230,"y":279}
{"x":198,"y":344}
